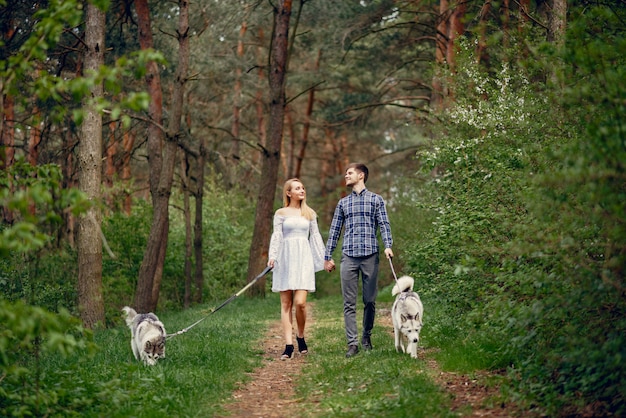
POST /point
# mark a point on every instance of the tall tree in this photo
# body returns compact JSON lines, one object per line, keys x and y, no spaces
{"x":278,"y":61}
{"x":162,"y":147}
{"x":90,"y":301}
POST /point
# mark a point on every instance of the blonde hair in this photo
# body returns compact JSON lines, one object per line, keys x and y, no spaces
{"x":307,"y":212}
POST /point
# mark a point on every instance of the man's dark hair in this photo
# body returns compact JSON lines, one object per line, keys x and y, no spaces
{"x":360,"y":167}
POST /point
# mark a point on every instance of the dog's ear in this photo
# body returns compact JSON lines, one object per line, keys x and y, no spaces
{"x":147,"y":346}
{"x":403,"y":317}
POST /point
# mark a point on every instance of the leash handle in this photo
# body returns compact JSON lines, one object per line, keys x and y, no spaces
{"x":392,"y":270}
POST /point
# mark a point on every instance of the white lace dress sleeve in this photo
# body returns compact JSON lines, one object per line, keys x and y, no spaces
{"x":277,"y":238}
{"x":317,"y":246}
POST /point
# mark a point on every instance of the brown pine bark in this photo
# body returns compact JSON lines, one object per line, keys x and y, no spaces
{"x":153,"y":253}
{"x":128,"y":141}
{"x":111,"y":153}
{"x":259,"y":103}
{"x":557,"y":21}
{"x":271,"y":156}
{"x":441,"y":42}
{"x":287,"y":156}
{"x":7,"y":136}
{"x":307,"y":122}
{"x":506,"y":18}
{"x":90,"y":300}
{"x":197,"y":240}
{"x":7,"y":145}
{"x":184,"y":179}
{"x":524,"y":17}
{"x":237,"y":94}
{"x":162,"y":147}
{"x":481,"y":51}
{"x":455,"y":29}
{"x":34,"y":138}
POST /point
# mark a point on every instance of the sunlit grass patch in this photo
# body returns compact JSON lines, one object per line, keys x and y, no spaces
{"x":202,"y":366}
{"x":378,"y":383}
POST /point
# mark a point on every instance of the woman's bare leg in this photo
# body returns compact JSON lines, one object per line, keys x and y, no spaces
{"x":286,"y":305}
{"x":300,"y":303}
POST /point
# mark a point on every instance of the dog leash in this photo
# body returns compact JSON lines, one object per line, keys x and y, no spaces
{"x":226,"y":302}
{"x":392,"y":270}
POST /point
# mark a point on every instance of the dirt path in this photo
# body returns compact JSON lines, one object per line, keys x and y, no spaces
{"x":270,"y":392}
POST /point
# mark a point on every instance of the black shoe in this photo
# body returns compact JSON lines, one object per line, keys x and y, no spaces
{"x":352,"y":351}
{"x":302,"y":348}
{"x":288,"y":353}
{"x":366,"y":343}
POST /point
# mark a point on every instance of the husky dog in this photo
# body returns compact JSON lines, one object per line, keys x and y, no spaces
{"x":407,"y":313}
{"x":147,"y":336}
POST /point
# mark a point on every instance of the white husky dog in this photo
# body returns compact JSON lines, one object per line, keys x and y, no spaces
{"x":147,"y":336}
{"x":407,"y":313}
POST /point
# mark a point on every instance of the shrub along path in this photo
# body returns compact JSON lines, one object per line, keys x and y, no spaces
{"x":270,"y":391}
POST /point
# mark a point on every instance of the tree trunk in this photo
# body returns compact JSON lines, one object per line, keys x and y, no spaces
{"x":161,"y":154}
{"x":455,"y":29}
{"x":237,"y":94}
{"x":260,"y":108}
{"x":151,"y":257}
{"x":34,"y":139}
{"x":7,"y":134}
{"x":441,"y":42}
{"x":128,"y":142}
{"x":557,"y":21}
{"x":173,"y":131}
{"x":7,"y":146}
{"x":198,"y":230}
{"x":184,"y":180}
{"x":481,"y":51}
{"x":271,"y":156}
{"x":307,"y":122}
{"x":90,"y":301}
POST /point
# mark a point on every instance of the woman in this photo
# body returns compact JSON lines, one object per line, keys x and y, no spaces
{"x":296,"y":252}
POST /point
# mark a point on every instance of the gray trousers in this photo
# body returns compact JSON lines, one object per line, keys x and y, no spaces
{"x":349,"y":271}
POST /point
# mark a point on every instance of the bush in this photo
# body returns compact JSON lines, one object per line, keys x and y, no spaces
{"x":527,"y":245}
{"x":26,"y":334}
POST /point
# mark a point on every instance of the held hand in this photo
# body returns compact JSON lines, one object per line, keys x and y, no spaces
{"x":388,"y":253}
{"x":270,"y":263}
{"x":329,"y":265}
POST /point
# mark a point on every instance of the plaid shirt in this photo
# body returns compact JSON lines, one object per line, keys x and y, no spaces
{"x":361,"y":214}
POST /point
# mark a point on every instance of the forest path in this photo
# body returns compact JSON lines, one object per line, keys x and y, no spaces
{"x":270,"y":391}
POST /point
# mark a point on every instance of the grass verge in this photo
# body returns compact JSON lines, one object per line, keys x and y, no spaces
{"x":201,"y":369}
{"x":378,"y":383}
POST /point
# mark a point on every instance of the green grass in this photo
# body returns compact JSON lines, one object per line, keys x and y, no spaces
{"x":201,"y":369}
{"x":379,"y":383}
{"x":205,"y":365}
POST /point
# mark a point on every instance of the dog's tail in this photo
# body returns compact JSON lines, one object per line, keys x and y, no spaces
{"x":130,"y":314}
{"x":404,"y":284}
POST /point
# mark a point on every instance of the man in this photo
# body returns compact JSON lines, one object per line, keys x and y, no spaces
{"x":361,"y":213}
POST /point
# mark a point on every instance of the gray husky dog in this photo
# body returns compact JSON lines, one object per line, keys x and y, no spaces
{"x":407,"y":313}
{"x":147,"y":336}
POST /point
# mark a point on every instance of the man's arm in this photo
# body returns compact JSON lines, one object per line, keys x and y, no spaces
{"x":385,"y":228}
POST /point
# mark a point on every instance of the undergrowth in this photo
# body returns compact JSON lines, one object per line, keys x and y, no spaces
{"x":202,"y":367}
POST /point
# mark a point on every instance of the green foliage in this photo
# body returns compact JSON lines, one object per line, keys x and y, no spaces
{"x":228,"y":218}
{"x":202,"y":367}
{"x":28,"y":335}
{"x":523,"y":264}
{"x":28,"y":72}
{"x":37,"y":201}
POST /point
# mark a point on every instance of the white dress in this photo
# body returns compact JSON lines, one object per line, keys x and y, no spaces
{"x":298,"y":252}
